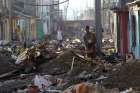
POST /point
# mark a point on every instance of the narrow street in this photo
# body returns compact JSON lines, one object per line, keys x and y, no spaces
{"x":69,"y":46}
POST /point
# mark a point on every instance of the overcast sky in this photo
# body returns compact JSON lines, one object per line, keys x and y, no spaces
{"x":76,"y":6}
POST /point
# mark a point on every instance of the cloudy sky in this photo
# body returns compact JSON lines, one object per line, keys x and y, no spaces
{"x":76,"y":6}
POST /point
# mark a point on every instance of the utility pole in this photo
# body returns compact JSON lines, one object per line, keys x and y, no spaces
{"x":10,"y":19}
{"x":98,"y":25}
{"x":103,"y":13}
{"x":109,"y":15}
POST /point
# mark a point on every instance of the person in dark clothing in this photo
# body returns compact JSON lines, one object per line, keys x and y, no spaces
{"x":90,"y":41}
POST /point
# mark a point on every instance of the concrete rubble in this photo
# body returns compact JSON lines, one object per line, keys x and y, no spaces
{"x":44,"y":69}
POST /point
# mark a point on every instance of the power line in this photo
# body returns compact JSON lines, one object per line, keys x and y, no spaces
{"x":66,"y":10}
{"x":31,"y":4}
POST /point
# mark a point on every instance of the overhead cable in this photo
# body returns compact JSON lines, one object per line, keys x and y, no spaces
{"x":31,"y":4}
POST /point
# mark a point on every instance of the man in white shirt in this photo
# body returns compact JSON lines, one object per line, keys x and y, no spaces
{"x":59,"y":37}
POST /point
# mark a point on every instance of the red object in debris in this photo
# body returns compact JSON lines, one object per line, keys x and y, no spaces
{"x":33,"y":89}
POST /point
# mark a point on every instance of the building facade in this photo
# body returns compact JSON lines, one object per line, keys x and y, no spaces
{"x":127,"y":28}
{"x":48,"y":17}
{"x":5,"y":20}
{"x":23,"y":17}
{"x":16,"y":20}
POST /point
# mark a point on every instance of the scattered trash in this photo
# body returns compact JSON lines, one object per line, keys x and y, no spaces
{"x":42,"y":82}
{"x":21,"y":57}
{"x":47,"y":69}
{"x":101,"y":78}
{"x":127,"y":91}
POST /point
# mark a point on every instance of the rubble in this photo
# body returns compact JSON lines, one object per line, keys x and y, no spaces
{"x":12,"y":85}
{"x":6,"y":62}
{"x":89,"y":88}
{"x":124,"y":76}
{"x":59,"y":71}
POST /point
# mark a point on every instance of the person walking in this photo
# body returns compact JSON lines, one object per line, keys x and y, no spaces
{"x":59,"y":37}
{"x":90,"y":43}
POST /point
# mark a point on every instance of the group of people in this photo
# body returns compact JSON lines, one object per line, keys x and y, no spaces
{"x":89,"y":40}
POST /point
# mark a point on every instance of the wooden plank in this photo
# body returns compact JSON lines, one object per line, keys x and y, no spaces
{"x":8,"y":74}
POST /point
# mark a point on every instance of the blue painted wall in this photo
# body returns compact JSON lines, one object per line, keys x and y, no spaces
{"x":134,"y":49}
{"x":39,"y":33}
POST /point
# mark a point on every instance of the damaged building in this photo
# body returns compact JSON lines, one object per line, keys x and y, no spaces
{"x":4,"y":20}
{"x":14,"y":15}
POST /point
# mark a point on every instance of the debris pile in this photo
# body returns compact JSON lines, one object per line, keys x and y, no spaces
{"x":6,"y":62}
{"x":125,"y":76}
{"x":43,"y":69}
